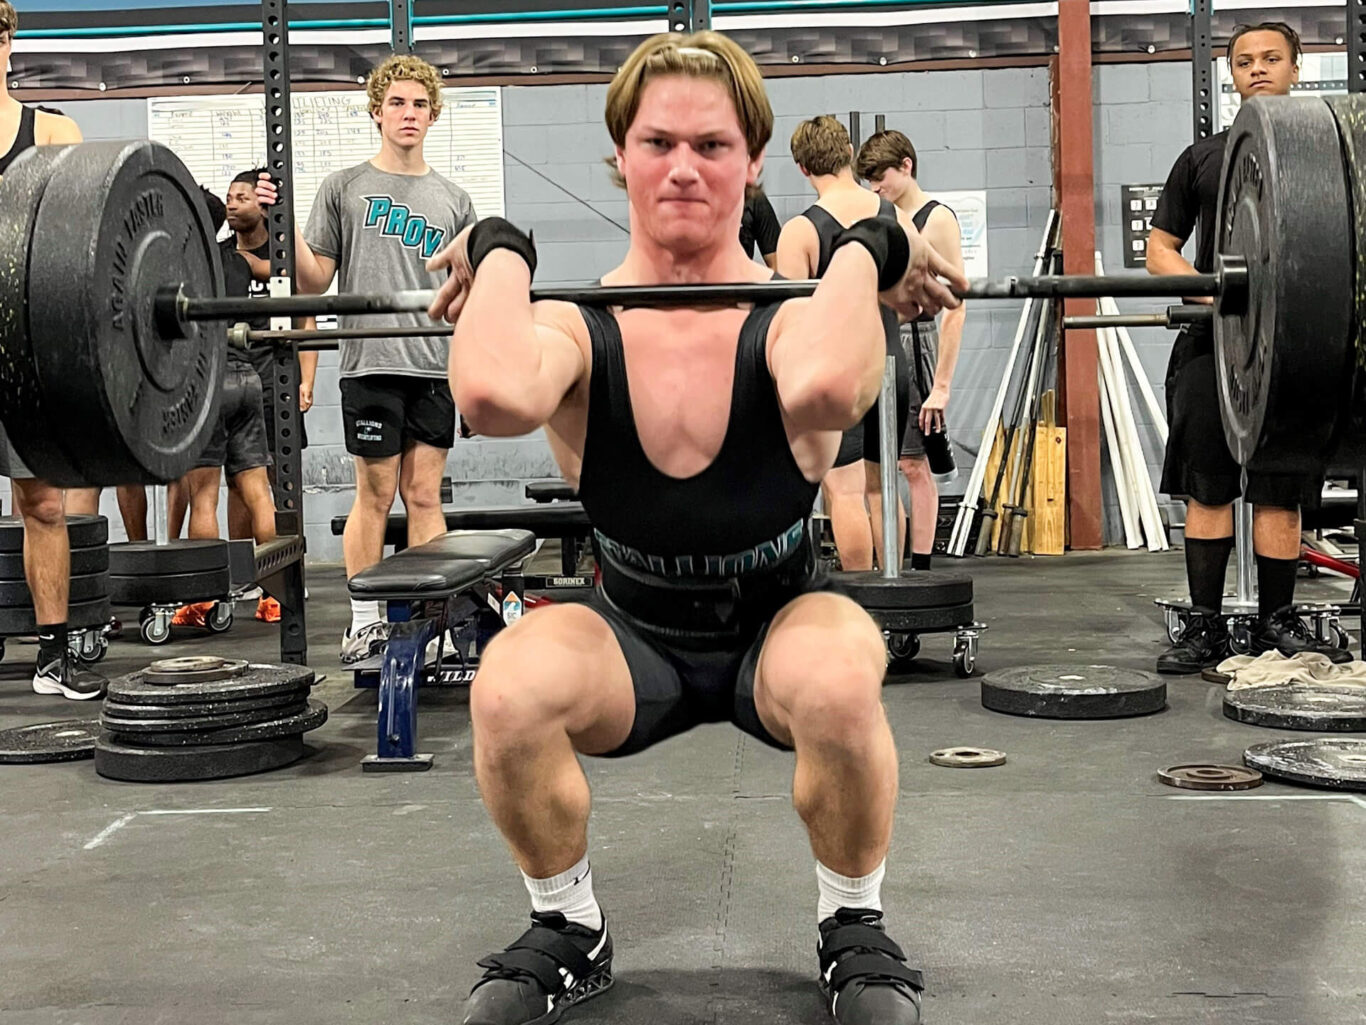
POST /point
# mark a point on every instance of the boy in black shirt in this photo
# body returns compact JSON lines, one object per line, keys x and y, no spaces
{"x":759,"y":227}
{"x":1264,"y":60}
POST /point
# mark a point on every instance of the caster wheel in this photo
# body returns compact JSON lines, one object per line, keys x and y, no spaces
{"x":901,"y":651}
{"x":220,"y":618}
{"x":155,"y":630}
{"x":1340,"y":638}
{"x":2,"y":647}
{"x":1176,"y":622}
{"x":1240,"y":638}
{"x":964,"y":661}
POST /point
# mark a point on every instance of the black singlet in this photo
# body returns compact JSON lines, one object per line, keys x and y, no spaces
{"x":25,"y":139}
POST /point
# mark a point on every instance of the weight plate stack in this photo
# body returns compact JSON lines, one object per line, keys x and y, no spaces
{"x":89,"y":594}
{"x":146,"y":573}
{"x":205,"y":717}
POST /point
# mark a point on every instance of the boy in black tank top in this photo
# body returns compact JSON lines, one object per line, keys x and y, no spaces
{"x":888,"y":161}
{"x":696,"y":438}
{"x":852,"y":489}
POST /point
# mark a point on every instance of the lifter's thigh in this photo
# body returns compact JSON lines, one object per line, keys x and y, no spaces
{"x":557,"y":667}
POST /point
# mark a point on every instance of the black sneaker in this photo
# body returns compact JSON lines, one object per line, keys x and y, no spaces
{"x":863,"y":972}
{"x":553,"y":965}
{"x":1203,"y":643}
{"x":61,"y":676}
{"x":1286,"y":632}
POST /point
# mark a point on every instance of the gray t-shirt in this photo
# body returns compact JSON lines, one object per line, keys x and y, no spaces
{"x":381,"y":228}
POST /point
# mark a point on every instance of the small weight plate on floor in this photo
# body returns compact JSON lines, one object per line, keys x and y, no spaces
{"x":81,"y":532}
{"x":148,"y":559}
{"x":65,"y":741}
{"x":924,"y":589}
{"x":309,"y":718}
{"x":114,"y":723}
{"x":260,"y":680}
{"x":1338,"y":763}
{"x":967,"y":757}
{"x":1074,"y":692}
{"x":1318,"y":707}
{"x":84,"y":561}
{"x":206,"y":709}
{"x":184,"y":764}
{"x":170,"y":588}
{"x":1210,"y":777}
{"x":90,"y":587}
{"x":79,"y":615}
{"x":193,"y":669}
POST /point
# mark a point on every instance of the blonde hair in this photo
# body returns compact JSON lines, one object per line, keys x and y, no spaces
{"x":9,"y":17}
{"x":821,"y":145}
{"x":402,"y":68}
{"x":697,"y":55}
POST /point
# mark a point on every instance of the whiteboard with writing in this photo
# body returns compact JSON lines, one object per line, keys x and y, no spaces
{"x":218,"y":137}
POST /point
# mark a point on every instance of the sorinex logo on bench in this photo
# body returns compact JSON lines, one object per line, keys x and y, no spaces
{"x":397,"y":221}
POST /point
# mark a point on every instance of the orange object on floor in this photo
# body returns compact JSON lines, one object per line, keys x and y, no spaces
{"x":192,"y":615}
{"x":268,"y":609}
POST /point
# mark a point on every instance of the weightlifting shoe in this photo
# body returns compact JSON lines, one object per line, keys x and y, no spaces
{"x":552,"y":966}
{"x":1203,"y":643}
{"x":1286,"y":632}
{"x":368,"y":640}
{"x":62,"y":676}
{"x":863,"y":972}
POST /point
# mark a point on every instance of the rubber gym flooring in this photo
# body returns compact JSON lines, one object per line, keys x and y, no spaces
{"x":1067,"y":886}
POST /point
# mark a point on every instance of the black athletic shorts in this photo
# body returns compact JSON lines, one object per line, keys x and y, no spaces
{"x":384,"y":413}
{"x":920,"y":342}
{"x":863,"y":440}
{"x":238,"y":441}
{"x":1197,"y":463}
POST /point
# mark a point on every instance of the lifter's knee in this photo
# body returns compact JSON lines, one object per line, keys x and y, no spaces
{"x":552,"y":672}
{"x":39,"y":503}
{"x":916,"y":470}
{"x":823,"y":671}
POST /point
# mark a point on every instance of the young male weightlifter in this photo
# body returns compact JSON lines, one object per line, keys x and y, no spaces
{"x":377,"y":224}
{"x":888,"y":163}
{"x":852,"y":490}
{"x":1264,"y":60}
{"x":697,"y":439}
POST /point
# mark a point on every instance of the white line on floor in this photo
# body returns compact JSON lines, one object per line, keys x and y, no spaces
{"x":123,"y":820}
{"x":109,"y":830}
{"x":1268,"y":797}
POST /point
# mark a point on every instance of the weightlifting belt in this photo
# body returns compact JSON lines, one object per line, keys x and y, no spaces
{"x":701,"y":612}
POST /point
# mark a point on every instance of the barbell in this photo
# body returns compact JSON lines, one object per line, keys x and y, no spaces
{"x":1171,"y":317}
{"x":113,"y":321}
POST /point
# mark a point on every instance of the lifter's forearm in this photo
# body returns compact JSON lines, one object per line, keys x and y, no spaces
{"x":495,"y":362}
{"x":311,"y":277}
{"x":1162,"y":258}
{"x":950,"y":342}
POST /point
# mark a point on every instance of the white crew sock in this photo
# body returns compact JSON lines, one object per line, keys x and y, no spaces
{"x":363,"y":613}
{"x":837,"y":891}
{"x":570,"y":893}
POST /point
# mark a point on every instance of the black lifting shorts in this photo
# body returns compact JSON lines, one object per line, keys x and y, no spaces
{"x":1198,"y":464}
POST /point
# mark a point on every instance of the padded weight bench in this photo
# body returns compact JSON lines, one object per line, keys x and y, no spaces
{"x":551,"y":491}
{"x":451,"y":569}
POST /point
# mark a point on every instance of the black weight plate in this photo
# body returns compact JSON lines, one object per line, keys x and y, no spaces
{"x":184,"y":764}
{"x":1350,"y":112}
{"x":91,"y":587}
{"x":79,"y":615}
{"x":267,"y":706}
{"x":118,"y":222}
{"x":84,"y":561}
{"x":1338,"y":763}
{"x":919,"y":590}
{"x":23,"y":405}
{"x":171,"y":589}
{"x":183,"y":725}
{"x":308,"y":718}
{"x":81,"y":532}
{"x":1073,"y":692}
{"x":66,"y":741}
{"x":1318,"y":707}
{"x":1284,"y":365}
{"x":923,"y":620}
{"x":263,"y":680}
{"x":148,"y":559}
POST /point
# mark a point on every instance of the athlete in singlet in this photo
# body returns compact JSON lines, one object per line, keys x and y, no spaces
{"x":696,"y":439}
{"x":852,"y":489}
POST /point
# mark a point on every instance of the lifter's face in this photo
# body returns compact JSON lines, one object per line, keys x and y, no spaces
{"x":892,"y":183}
{"x":1262,"y":66}
{"x":686,"y":163}
{"x":405,"y":115}
{"x":244,"y":213}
